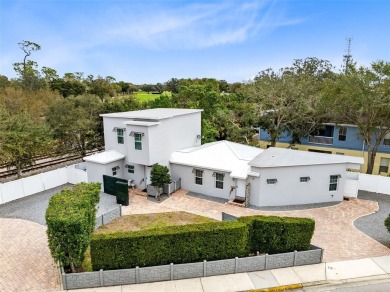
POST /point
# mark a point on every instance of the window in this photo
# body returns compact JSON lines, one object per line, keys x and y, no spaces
{"x":272,"y":181}
{"x":342,"y":133}
{"x":304,"y":178}
{"x":198,"y":176}
{"x":386,"y":140}
{"x":333,"y":182}
{"x":119,"y":133}
{"x":130,"y":168}
{"x":384,"y":166}
{"x":219,"y":180}
{"x":138,"y":141}
{"x":339,"y":153}
{"x":115,"y":170}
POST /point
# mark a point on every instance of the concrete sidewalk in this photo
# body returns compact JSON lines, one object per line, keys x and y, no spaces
{"x":311,"y":275}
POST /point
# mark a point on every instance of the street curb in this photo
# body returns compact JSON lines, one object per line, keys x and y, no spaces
{"x":278,"y":288}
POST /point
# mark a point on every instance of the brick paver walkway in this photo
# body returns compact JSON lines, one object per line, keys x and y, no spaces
{"x":25,"y":260}
{"x":334,"y":232}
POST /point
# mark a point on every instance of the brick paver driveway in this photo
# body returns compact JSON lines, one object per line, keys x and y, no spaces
{"x":25,"y":260}
{"x":334,"y":232}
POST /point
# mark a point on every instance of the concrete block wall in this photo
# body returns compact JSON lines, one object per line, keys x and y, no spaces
{"x":228,"y":217}
{"x":191,"y":270}
{"x":108,"y":217}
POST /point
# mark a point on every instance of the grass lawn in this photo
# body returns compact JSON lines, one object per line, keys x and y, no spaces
{"x":151,"y":221}
{"x":144,"y":96}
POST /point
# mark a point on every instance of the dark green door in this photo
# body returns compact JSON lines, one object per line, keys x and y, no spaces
{"x":116,"y":187}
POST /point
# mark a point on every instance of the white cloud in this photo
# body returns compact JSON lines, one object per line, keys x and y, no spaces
{"x":194,"y":26}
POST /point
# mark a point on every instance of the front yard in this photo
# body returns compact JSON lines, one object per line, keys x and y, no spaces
{"x":150,"y":221}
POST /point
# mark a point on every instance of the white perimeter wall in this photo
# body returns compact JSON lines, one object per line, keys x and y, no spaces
{"x":374,"y":183}
{"x":208,"y":187}
{"x":38,"y":183}
{"x":290,"y":191}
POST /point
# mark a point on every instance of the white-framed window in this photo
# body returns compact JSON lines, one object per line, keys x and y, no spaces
{"x":138,"y":141}
{"x":333,"y":182}
{"x":384,"y":165}
{"x":304,"y":178}
{"x":119,"y":134}
{"x":342,"y":133}
{"x":219,"y":180}
{"x":272,"y":181}
{"x":115,"y":170}
{"x":130,"y":168}
{"x":198,"y":176}
{"x":386,"y":140}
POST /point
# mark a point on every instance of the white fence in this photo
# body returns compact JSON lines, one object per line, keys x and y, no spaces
{"x":374,"y":183}
{"x":41,"y":182}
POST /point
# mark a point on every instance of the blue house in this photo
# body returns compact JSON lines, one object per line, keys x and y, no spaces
{"x":336,"y":139}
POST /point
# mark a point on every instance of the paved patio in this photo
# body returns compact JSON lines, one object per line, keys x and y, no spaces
{"x":26,"y":263}
{"x":334,"y":232}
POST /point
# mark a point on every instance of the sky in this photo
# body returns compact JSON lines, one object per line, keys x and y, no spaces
{"x":154,"y":41}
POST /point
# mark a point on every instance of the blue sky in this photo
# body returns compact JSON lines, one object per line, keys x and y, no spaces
{"x":153,"y":41}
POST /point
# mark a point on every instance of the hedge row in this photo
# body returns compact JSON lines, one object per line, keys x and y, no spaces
{"x":387,"y":223}
{"x":179,"y":244}
{"x":271,"y":234}
{"x":70,"y":218}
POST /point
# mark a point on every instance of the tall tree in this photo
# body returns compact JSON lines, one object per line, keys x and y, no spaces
{"x":28,"y":70}
{"x":290,"y":99}
{"x":361,"y":96}
{"x":75,"y":123}
{"x":22,"y":138}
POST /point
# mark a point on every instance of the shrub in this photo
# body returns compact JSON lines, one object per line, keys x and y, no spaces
{"x":160,"y":246}
{"x":387,"y":223}
{"x":271,"y":234}
{"x":159,"y":175}
{"x":70,"y":218}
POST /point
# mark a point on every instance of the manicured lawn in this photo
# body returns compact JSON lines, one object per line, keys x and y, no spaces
{"x":144,"y":96}
{"x":151,"y":221}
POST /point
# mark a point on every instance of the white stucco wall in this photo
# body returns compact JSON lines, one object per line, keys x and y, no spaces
{"x":290,"y":191}
{"x":158,"y":142}
{"x":208,"y":187}
{"x":95,"y":171}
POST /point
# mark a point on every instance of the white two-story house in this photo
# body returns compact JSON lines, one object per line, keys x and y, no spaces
{"x":136,"y":140}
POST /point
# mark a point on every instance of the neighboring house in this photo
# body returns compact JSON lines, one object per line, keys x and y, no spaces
{"x":337,"y":139}
{"x":137,"y":140}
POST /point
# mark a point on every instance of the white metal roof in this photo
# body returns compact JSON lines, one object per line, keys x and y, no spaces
{"x":276,"y":157}
{"x":153,"y":114}
{"x":105,"y":157}
{"x":224,"y":156}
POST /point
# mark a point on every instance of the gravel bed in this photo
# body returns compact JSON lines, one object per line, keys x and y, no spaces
{"x":373,"y":224}
{"x":33,"y":208}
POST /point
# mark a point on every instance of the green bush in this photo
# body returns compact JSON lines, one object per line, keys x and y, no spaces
{"x":70,"y":218}
{"x":159,"y":175}
{"x":160,"y":246}
{"x":271,"y":234}
{"x":387,"y":223}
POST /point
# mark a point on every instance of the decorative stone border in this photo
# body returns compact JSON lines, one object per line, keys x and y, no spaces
{"x":191,"y":270}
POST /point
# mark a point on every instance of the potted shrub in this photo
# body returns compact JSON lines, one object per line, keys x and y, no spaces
{"x":159,"y":176}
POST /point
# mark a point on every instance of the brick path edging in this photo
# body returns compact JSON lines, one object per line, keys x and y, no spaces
{"x":191,"y":270}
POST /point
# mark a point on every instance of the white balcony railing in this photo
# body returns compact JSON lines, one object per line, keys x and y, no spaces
{"x":321,"y":140}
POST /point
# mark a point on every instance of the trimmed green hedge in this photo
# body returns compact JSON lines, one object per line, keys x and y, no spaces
{"x":178,"y":244}
{"x":70,"y":218}
{"x":387,"y":223}
{"x":271,"y":234}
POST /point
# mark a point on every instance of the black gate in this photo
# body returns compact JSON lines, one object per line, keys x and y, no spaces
{"x":117,"y":187}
